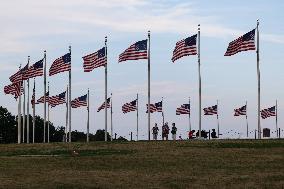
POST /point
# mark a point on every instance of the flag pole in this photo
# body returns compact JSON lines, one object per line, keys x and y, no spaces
{"x":111,"y":123}
{"x":34,"y":114}
{"x":199,"y":80}
{"x":44,"y":100}
{"x":218,"y":119}
{"x":28,"y":108}
{"x":276,"y":119}
{"x":69,"y":108}
{"x":149,"y":88}
{"x":189,"y":115}
{"x":88,"y":120}
{"x":66,"y":124}
{"x":247,"y":118}
{"x":19,"y":115}
{"x":106,"y":91}
{"x":137,"y":119}
{"x":258,"y":77}
{"x":24,"y":112}
{"x":48,"y":116}
{"x":28,"y":112}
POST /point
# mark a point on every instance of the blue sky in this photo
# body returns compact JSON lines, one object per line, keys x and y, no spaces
{"x":30,"y":27}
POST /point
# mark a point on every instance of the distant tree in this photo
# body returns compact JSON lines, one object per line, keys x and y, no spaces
{"x":100,"y":135}
{"x":8,"y":128}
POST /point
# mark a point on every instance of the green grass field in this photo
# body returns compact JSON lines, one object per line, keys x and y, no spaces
{"x":181,"y":164}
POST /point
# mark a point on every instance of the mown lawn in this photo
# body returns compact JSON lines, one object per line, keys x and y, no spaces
{"x":181,"y":164}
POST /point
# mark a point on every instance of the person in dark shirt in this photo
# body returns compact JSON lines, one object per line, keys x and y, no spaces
{"x":174,"y":131}
{"x":213,"y":134}
{"x":155,"y":130}
{"x":165,"y":131}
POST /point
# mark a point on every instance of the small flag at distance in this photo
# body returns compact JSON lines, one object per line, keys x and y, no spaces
{"x":211,"y":110}
{"x":128,"y":107}
{"x":135,"y":52}
{"x":185,"y":47}
{"x":57,"y":100}
{"x":243,"y":43}
{"x":157,"y":107}
{"x":241,"y":111}
{"x":80,"y":101}
{"x":103,"y":105}
{"x":61,"y":64}
{"x":95,"y":60}
{"x":183,"y":109}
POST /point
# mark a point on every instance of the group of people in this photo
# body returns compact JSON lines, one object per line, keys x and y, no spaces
{"x":165,"y":131}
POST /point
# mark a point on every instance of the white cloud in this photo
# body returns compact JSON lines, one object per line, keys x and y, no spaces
{"x":42,"y":18}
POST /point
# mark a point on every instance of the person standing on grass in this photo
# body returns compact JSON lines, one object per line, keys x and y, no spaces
{"x":165,"y":131}
{"x":155,"y":130}
{"x":174,"y":131}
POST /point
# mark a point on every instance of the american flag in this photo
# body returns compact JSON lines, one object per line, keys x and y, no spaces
{"x":80,"y":101}
{"x":183,"y":109}
{"x":157,"y":107}
{"x":18,"y":76}
{"x":14,"y":89}
{"x":211,"y":110}
{"x":243,"y":43}
{"x":34,"y":70}
{"x":265,"y":113}
{"x":61,"y":64}
{"x":58,"y":99}
{"x":241,"y":111}
{"x":41,"y":99}
{"x":185,"y":47}
{"x":103,"y":105}
{"x":128,"y":107}
{"x":95,"y":60}
{"x":135,"y":52}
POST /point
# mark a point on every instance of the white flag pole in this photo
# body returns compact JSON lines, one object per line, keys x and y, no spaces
{"x":111,"y":123}
{"x":70,"y":118}
{"x":258,"y":77}
{"x":19,"y":115}
{"x":44,"y":100}
{"x":66,"y":124}
{"x":218,"y":125}
{"x":199,"y":81}
{"x":276,"y":119}
{"x":137,"y":118}
{"x":247,"y":118}
{"x":149,"y":87}
{"x":24,"y":112}
{"x":88,"y":120}
{"x":28,"y":108}
{"x":106,"y":91}
{"x":34,"y":115}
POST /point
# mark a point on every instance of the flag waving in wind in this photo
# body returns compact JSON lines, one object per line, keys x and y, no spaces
{"x":103,"y":105}
{"x":34,"y":70}
{"x":128,"y":107}
{"x":211,"y":110}
{"x":14,"y":89}
{"x":18,"y":76}
{"x":135,"y":52}
{"x":265,"y":113}
{"x":183,"y":109}
{"x":80,"y":101}
{"x":58,"y":99}
{"x":185,"y":47}
{"x":241,"y":111}
{"x":61,"y":64}
{"x":157,"y":107}
{"x":95,"y":60}
{"x":243,"y":43}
